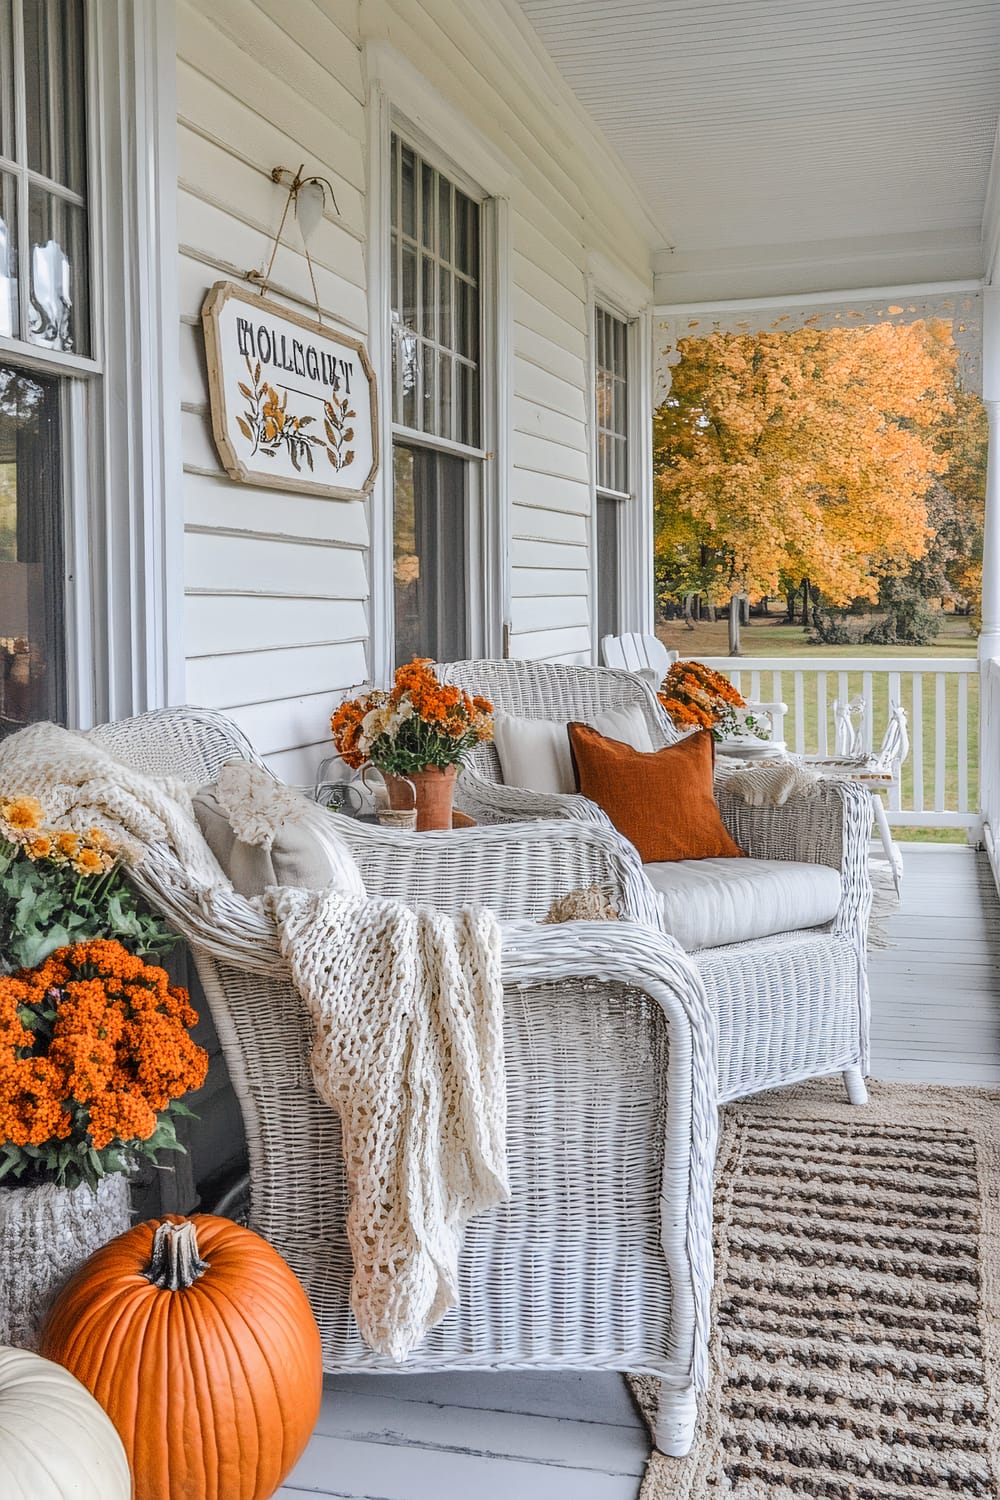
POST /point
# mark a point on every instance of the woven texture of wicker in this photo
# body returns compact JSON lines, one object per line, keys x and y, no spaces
{"x":790,"y":1007}
{"x":602,"y":1258}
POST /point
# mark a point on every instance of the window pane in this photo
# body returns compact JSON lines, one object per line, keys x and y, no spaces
{"x":446,"y":331}
{"x":58,"y":314}
{"x":608,"y":567}
{"x":444,"y":390}
{"x":408,"y":219}
{"x":467,"y":235}
{"x":427,"y":176}
{"x":8,"y":257}
{"x":468,"y":398}
{"x":54,"y":83}
{"x":6,"y":73}
{"x":32,"y":679}
{"x":428,"y":323}
{"x":429,"y":547}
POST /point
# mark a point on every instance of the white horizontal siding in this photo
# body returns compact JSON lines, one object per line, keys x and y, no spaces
{"x":276,"y":615}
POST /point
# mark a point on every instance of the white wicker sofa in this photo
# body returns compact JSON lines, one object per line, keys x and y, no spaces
{"x":602,"y":1259}
{"x":792,"y":999}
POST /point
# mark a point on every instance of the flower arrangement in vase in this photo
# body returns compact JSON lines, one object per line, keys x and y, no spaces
{"x":95,"y":1053}
{"x":416,"y":734}
{"x":696,"y":697}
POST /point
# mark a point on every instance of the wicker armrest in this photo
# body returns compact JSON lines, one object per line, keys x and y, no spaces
{"x":599,"y":953}
{"x":830,"y":824}
{"x":493,"y":802}
{"x":516,"y":869}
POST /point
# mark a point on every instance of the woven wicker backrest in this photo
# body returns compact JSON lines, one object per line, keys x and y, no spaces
{"x":552,"y":690}
{"x":191,"y":743}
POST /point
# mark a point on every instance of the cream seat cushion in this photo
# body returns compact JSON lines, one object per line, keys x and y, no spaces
{"x":709,"y":902}
{"x":264,"y":833}
{"x":535,"y":754}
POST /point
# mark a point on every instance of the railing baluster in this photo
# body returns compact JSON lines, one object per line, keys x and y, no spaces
{"x":930,"y":793}
{"x":895,"y":792}
{"x":821,"y":712}
{"x":940,"y":742}
{"x":963,"y":742}
{"x":917,"y":741}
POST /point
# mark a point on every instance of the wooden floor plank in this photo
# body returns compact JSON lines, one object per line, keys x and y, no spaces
{"x":398,"y":1471}
{"x":366,"y":1415}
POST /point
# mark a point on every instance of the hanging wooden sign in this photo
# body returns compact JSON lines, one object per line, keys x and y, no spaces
{"x":294,"y":405}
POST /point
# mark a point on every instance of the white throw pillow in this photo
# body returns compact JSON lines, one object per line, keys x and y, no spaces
{"x":264,"y":833}
{"x":535,"y":753}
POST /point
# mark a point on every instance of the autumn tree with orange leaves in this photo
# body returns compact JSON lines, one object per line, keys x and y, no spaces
{"x":808,"y":454}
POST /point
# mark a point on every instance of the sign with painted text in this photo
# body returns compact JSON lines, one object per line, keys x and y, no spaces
{"x":294,"y":405}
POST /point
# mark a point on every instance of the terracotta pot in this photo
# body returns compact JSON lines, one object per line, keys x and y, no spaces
{"x":433,"y":790}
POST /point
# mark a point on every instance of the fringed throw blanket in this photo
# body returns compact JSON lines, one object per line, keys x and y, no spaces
{"x":408,"y":1013}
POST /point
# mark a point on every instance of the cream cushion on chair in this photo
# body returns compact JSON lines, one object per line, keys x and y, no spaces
{"x":264,"y":833}
{"x":708,"y":903}
{"x":535,"y":753}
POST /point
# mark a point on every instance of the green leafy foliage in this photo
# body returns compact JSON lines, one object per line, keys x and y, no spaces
{"x":44,"y":906}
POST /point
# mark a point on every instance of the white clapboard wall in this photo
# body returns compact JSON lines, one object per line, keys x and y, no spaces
{"x":277,"y":586}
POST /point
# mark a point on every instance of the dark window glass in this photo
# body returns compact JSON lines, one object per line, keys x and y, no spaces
{"x":429,"y":554}
{"x":608,"y":566}
{"x":32,"y":631}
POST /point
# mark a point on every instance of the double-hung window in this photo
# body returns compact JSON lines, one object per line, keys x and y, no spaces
{"x":437,"y":480}
{"x":612,"y":458}
{"x":44,"y":312}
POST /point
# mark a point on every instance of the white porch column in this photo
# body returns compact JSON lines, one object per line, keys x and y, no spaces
{"x":989,"y":638}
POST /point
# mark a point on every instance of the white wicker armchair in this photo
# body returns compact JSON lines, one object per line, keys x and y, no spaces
{"x":602,"y":1259}
{"x":791,"y":1006}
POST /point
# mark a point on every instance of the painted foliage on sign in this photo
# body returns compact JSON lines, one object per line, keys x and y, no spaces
{"x":268,"y":424}
{"x":293,"y":402}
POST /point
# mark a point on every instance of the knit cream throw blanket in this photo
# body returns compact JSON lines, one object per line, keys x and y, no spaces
{"x":408,"y":1015}
{"x":407,"y":1010}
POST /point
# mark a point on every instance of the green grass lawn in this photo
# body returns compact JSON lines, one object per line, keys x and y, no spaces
{"x":772,"y":638}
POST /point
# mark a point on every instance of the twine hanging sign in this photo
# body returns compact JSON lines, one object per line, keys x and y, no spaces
{"x":293,"y":402}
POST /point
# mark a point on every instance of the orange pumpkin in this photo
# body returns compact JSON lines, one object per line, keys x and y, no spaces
{"x":200,"y":1344}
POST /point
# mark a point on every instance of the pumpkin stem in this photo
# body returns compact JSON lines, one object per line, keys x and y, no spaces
{"x":175,"y":1263}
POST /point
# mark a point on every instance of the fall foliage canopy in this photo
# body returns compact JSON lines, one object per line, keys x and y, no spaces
{"x":810,"y":453}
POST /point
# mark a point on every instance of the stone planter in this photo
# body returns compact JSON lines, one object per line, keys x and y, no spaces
{"x":46,"y":1233}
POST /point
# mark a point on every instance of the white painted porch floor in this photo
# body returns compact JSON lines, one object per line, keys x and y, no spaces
{"x":936,"y":1018}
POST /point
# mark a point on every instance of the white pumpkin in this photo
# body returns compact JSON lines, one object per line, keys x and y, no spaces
{"x":55,"y":1441}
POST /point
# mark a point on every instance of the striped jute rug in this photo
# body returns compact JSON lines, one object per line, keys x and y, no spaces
{"x":856,"y":1346}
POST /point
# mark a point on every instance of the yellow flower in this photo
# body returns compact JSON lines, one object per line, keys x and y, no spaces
{"x":88,"y":862}
{"x":67,"y":843}
{"x":23,"y":813}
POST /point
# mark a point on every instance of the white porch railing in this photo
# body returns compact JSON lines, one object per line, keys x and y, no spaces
{"x":939,"y":787}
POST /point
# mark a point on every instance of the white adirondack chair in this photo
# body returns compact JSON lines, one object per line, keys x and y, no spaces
{"x":644,"y":654}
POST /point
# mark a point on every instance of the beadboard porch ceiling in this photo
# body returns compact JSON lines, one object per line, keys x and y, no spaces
{"x":788,"y":146}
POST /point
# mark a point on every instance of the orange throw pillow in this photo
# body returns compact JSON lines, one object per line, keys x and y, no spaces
{"x":661,"y":800}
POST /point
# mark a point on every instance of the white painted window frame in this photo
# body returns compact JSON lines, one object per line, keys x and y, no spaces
{"x":401,"y":100}
{"x":120,"y":408}
{"x":626,"y":298}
